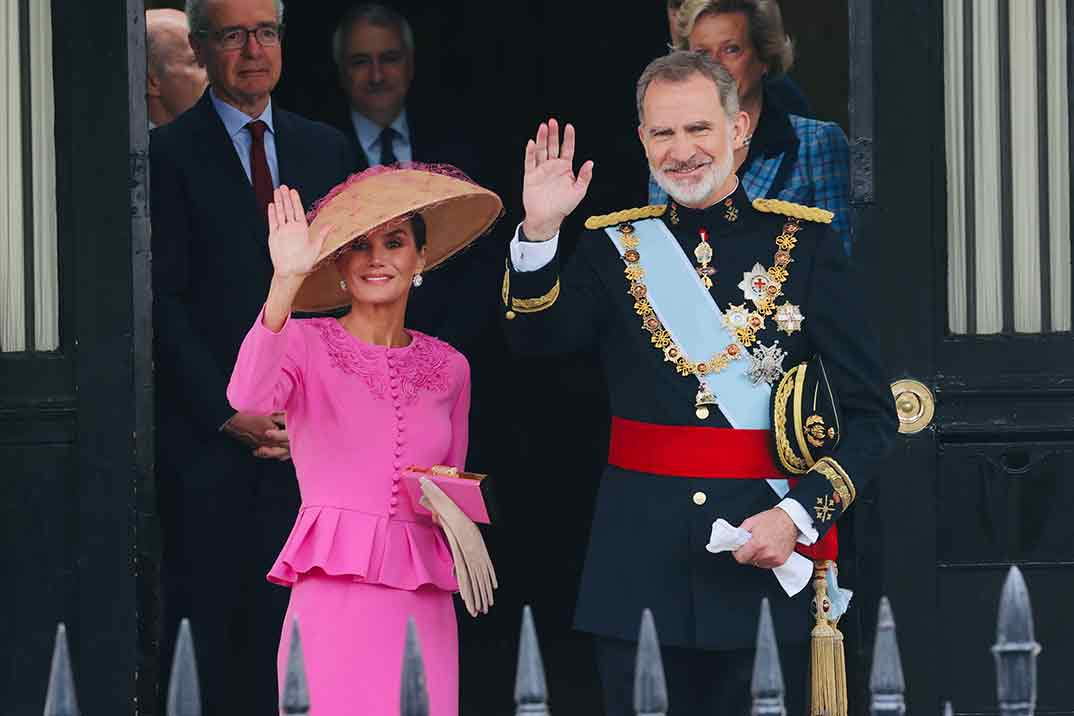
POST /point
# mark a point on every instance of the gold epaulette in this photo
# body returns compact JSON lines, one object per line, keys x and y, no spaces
{"x":797,"y":211}
{"x":618,"y":217}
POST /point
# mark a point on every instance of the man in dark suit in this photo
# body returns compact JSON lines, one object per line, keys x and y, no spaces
{"x":227,"y":490}
{"x":373,"y":46}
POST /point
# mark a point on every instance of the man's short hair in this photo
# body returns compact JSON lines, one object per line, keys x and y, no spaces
{"x":774,"y":47}
{"x":373,"y":13}
{"x":199,"y":24}
{"x":681,"y":65}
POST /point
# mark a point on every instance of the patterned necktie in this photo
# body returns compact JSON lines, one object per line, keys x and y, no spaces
{"x":387,"y":151}
{"x":259,"y":168}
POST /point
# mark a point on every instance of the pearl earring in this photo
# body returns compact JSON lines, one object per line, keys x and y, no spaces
{"x":417,"y":280}
{"x":342,"y":285}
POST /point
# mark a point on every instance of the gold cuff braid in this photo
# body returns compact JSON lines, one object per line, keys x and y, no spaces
{"x":528,"y":305}
{"x":838,"y":477}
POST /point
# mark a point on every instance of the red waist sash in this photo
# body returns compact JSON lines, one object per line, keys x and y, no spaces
{"x":707,"y":453}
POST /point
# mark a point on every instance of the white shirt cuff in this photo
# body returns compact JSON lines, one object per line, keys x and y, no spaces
{"x":807,"y":534}
{"x":527,"y":256}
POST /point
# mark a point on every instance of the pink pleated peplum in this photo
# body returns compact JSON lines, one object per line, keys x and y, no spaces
{"x":357,"y":415}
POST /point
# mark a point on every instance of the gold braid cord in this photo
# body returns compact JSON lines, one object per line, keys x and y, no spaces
{"x":797,"y":211}
{"x":626,"y":215}
{"x":527,"y":305}
{"x":842,"y":485}
{"x":787,"y":459}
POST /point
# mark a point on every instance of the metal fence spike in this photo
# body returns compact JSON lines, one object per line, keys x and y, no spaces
{"x":296,"y":693}
{"x":184,"y":691}
{"x":413,"y":696}
{"x":60,"y":699}
{"x":650,"y":685}
{"x":886,"y":682}
{"x":767,"y":683}
{"x":531,"y":689}
{"x":1015,"y":650}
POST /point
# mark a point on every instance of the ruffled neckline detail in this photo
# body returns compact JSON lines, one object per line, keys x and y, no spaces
{"x":420,"y":366}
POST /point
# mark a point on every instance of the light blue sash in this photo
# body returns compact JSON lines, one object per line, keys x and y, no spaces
{"x":695,"y":324}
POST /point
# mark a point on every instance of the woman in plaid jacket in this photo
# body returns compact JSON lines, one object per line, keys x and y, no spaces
{"x":788,"y":156}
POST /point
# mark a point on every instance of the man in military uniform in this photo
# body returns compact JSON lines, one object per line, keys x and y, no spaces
{"x":697,"y":310}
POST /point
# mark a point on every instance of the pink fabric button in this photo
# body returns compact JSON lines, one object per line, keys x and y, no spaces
{"x":402,"y":425}
{"x":395,"y":488}
{"x":399,"y":451}
{"x":392,"y":511}
{"x":398,"y":465}
{"x":394,"y":501}
{"x":396,"y":478}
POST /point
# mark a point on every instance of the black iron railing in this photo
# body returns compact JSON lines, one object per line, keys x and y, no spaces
{"x":1015,"y":653}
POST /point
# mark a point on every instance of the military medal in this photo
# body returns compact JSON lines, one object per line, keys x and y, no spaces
{"x":766,"y":363}
{"x":760,"y":287}
{"x":659,"y":336}
{"x":704,"y":399}
{"x":703,"y":254}
{"x":789,"y":318}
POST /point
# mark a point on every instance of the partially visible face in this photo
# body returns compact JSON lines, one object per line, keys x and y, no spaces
{"x":688,"y":139}
{"x":183,"y":80}
{"x":725,"y":37}
{"x":378,"y":268}
{"x":247,"y":76}
{"x":376,"y":69}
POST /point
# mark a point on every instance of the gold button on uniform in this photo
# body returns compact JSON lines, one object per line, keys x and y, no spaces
{"x":699,"y":498}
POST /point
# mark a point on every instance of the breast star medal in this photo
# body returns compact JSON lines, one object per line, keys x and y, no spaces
{"x":755,"y":283}
{"x":703,"y":254}
{"x":766,"y":363}
{"x":789,"y":318}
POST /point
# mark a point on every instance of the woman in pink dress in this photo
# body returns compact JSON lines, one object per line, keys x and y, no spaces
{"x":364,"y":399}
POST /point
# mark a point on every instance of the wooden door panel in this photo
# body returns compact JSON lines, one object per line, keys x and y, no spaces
{"x":1004,"y":503}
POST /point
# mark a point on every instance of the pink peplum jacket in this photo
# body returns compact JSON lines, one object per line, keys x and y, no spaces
{"x":357,"y":416}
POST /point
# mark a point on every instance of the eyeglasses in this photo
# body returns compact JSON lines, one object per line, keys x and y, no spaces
{"x":235,"y":38}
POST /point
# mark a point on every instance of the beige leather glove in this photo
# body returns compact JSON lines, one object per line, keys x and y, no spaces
{"x":473,"y":566}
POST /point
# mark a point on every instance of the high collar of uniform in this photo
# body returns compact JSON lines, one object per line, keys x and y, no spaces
{"x":723,"y":216}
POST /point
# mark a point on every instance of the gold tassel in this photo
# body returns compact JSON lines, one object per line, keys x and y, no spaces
{"x":828,"y":661}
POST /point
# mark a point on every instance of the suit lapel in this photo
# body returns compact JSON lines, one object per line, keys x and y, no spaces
{"x":218,"y":157}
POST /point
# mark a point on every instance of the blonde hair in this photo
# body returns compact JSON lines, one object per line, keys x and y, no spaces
{"x":774,"y":47}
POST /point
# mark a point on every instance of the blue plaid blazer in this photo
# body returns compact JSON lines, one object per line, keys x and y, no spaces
{"x":817,"y":174}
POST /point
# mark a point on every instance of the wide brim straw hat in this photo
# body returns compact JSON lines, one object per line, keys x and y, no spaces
{"x":455,"y":208}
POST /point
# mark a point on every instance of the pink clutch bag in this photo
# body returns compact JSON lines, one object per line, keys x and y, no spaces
{"x":465,"y":489}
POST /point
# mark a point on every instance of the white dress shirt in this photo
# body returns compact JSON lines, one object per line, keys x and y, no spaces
{"x":368,"y":133}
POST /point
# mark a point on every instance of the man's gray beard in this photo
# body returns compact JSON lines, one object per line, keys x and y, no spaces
{"x":715,"y":176}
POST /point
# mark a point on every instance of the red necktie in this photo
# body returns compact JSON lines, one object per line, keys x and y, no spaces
{"x":259,"y":168}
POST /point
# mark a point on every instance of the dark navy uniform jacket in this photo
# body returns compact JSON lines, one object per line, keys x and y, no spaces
{"x":648,"y":537}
